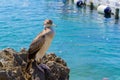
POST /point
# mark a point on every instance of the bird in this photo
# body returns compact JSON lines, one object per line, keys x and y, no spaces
{"x":40,"y":44}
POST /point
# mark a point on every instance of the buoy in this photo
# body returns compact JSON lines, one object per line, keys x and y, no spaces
{"x":79,"y":3}
{"x":106,"y":10}
{"x":117,"y":13}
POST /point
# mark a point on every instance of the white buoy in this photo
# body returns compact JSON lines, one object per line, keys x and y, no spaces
{"x":106,"y":10}
{"x":101,"y":9}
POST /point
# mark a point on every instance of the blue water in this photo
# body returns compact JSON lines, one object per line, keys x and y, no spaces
{"x":89,"y":43}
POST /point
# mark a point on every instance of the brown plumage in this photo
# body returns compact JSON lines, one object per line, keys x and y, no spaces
{"x":40,"y":44}
{"x":35,"y":46}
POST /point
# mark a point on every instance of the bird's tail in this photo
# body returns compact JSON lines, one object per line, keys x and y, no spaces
{"x":30,"y":59}
{"x":29,"y":65}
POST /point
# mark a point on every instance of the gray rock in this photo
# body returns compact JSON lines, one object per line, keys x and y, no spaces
{"x":13,"y":64}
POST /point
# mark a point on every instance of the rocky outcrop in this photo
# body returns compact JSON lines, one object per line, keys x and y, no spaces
{"x":13,"y":64}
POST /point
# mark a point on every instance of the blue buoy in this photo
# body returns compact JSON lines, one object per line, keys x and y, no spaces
{"x":107,"y":12}
{"x":80,"y":3}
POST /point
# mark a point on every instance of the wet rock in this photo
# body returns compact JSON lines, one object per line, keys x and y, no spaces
{"x":13,"y":64}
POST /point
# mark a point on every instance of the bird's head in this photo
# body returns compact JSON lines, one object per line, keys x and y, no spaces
{"x":48,"y":23}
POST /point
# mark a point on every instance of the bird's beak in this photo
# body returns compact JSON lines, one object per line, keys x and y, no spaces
{"x":54,"y":25}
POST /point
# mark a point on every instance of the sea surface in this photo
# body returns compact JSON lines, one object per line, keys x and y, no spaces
{"x":88,"y":42}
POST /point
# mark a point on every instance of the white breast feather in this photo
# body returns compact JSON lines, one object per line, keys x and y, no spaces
{"x":43,"y":50}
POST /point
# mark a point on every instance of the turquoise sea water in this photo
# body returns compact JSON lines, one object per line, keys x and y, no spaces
{"x":88,"y":42}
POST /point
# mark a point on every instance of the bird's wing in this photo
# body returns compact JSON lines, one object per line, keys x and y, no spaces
{"x":36,"y":45}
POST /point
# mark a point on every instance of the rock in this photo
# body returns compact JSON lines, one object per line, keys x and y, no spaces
{"x":4,"y":76}
{"x":1,"y":65}
{"x":13,"y":64}
{"x":58,"y":67}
